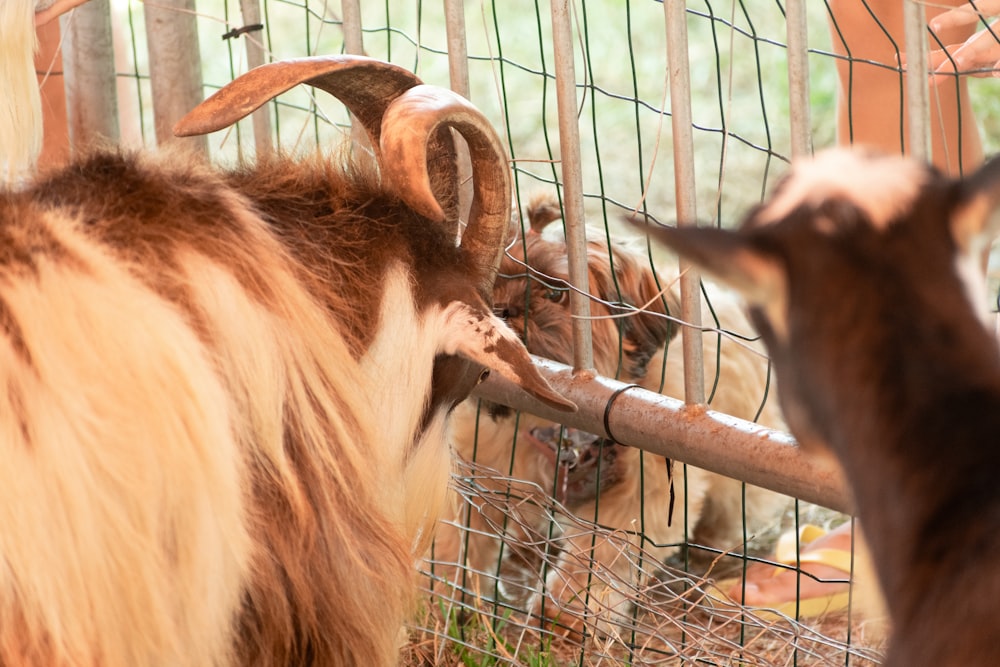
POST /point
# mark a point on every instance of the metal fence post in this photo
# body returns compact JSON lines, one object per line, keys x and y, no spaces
{"x":687,"y":214}
{"x":569,"y":151}
{"x":89,"y":71}
{"x":174,"y":67}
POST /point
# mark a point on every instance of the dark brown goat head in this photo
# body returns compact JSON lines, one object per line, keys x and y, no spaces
{"x":409,"y":125}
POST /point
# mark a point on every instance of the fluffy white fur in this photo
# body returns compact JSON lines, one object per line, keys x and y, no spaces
{"x":392,"y":369}
{"x":20,"y":101}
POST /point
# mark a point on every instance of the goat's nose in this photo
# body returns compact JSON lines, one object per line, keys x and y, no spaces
{"x":506,"y":311}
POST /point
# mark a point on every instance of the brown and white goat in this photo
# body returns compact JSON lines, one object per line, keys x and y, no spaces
{"x":619,"y":487}
{"x":224,"y":393}
{"x":862,"y":273}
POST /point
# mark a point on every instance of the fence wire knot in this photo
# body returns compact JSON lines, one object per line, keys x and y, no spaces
{"x":236,"y":32}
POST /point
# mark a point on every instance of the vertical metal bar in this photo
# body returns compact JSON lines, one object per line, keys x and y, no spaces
{"x":918,"y":107}
{"x":250,"y":9}
{"x":174,"y":67}
{"x":572,"y":175}
{"x":681,"y":124}
{"x":89,"y":71}
{"x":458,"y":69}
{"x":353,"y":40}
{"x":354,"y":44}
{"x":458,"y":50}
{"x":798,"y":77}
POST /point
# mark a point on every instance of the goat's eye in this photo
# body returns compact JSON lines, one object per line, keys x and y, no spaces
{"x":483,"y":375}
{"x":556,"y":295}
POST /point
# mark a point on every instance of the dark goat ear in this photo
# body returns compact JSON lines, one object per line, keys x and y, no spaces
{"x":633,"y":285}
{"x":729,"y":257}
{"x":732,"y":258}
{"x":975,"y":221}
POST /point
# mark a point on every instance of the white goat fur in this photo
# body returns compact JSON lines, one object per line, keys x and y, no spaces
{"x":20,"y":101}
{"x":72,"y":531}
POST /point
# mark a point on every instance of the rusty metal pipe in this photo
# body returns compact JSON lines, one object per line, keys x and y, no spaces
{"x":688,"y":433}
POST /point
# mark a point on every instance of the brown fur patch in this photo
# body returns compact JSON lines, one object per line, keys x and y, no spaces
{"x":329,"y":579}
{"x":534,"y":279}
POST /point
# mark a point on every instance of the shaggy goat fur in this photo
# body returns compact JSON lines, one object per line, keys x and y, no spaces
{"x":20,"y":101}
{"x":225,"y":399}
{"x":863,"y":274}
{"x":633,"y":488}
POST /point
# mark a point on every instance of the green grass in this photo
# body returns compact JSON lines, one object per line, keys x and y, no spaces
{"x":476,"y":638}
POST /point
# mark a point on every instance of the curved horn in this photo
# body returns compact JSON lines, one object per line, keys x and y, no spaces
{"x":366,"y":87}
{"x":387,"y":99}
{"x":414,"y":170}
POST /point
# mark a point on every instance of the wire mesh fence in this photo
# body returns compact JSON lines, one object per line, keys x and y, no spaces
{"x":660,"y":613}
{"x":565,"y":547}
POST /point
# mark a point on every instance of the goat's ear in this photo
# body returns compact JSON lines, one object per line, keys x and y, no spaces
{"x":543,"y":209}
{"x":729,"y":257}
{"x":646,"y":331}
{"x":475,"y":333}
{"x":976,"y":220}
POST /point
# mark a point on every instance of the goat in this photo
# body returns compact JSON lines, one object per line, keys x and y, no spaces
{"x":616,"y":486}
{"x":861,"y":274}
{"x":225,"y":393}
